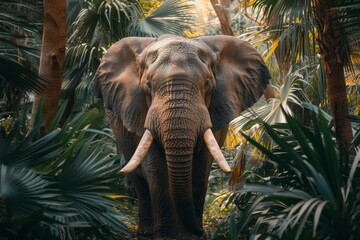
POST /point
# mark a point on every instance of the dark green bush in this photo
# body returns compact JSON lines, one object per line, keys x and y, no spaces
{"x":313,"y":193}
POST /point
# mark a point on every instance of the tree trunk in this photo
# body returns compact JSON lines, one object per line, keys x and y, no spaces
{"x":222,"y":10}
{"x":332,"y":49}
{"x":51,"y":59}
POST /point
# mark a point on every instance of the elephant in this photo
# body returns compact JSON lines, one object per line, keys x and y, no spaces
{"x":169,"y":101}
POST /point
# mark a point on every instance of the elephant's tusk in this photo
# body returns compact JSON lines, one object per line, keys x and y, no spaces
{"x":215,"y":151}
{"x":140,"y":153}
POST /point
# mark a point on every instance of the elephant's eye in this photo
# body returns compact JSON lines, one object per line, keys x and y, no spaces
{"x":148,"y":86}
{"x":209,"y":85}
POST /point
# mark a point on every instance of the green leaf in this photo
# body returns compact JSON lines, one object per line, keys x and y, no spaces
{"x":172,"y":17}
{"x":317,"y":215}
{"x":304,"y":213}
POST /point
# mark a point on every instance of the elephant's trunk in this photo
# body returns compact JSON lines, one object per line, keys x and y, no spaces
{"x":179,"y":155}
{"x":179,"y":131}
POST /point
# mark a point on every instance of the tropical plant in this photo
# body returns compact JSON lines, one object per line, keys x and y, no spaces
{"x":313,"y":193}
{"x":299,"y":30}
{"x":19,"y":52}
{"x":172,"y":17}
{"x":62,"y":184}
{"x":287,"y":96}
{"x":356,"y":123}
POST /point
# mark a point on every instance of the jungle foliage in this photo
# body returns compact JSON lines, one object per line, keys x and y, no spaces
{"x":290,"y":178}
{"x":61,"y":183}
{"x":311,"y":193}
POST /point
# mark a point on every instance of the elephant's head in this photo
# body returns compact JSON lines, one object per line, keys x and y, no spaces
{"x":177,"y":91}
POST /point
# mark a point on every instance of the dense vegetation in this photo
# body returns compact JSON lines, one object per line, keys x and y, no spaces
{"x":295,"y":156}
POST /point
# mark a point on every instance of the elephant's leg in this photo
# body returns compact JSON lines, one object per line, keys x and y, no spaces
{"x":126,"y":144}
{"x":145,"y":214}
{"x":155,"y":169}
{"x":201,"y":172}
{"x":145,"y":222}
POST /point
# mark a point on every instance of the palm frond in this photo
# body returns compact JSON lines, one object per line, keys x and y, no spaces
{"x":19,"y":76}
{"x":172,"y":17}
{"x":356,"y":124}
{"x":349,"y":17}
{"x":272,"y":112}
{"x":282,"y":11}
{"x":310,"y":187}
{"x":105,"y":21}
{"x":19,"y":37}
{"x":73,"y":8}
{"x":84,"y":28}
{"x":62,"y":180}
{"x":86,"y":180}
{"x":288,"y":29}
{"x":28,"y":188}
{"x":81,"y":60}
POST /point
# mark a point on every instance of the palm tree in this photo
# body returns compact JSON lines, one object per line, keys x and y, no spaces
{"x":52,"y":59}
{"x":334,"y":55}
{"x":332,"y":24}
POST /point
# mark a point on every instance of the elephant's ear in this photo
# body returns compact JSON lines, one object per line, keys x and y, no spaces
{"x":241,"y":78}
{"x":117,"y":82}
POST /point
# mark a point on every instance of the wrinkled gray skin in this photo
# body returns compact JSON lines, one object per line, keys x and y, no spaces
{"x":176,"y":88}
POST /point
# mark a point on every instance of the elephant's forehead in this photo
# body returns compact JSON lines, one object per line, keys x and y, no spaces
{"x":182,"y":47}
{"x":178,"y":57}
